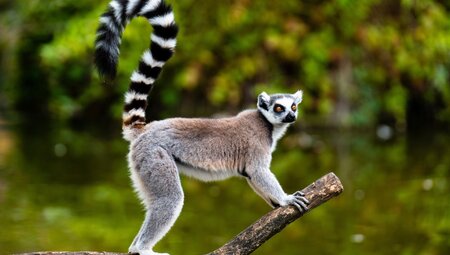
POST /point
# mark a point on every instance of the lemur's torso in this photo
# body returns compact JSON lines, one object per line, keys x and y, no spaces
{"x":203,"y":145}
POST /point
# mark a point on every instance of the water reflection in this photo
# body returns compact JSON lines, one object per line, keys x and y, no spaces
{"x":69,"y":190}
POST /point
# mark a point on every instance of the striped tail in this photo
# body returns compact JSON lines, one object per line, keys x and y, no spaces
{"x":107,"y":44}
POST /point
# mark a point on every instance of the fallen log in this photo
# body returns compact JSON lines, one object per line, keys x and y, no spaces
{"x":318,"y":192}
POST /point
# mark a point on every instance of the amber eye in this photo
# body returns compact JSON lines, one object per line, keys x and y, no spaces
{"x":294,"y":107}
{"x":278,"y":108}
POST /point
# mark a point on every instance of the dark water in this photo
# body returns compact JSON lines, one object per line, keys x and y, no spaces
{"x":69,"y":190}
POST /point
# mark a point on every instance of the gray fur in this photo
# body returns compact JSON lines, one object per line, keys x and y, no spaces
{"x":209,"y":150}
{"x":206,"y":149}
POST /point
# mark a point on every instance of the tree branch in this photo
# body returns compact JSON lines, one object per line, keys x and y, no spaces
{"x":255,"y":235}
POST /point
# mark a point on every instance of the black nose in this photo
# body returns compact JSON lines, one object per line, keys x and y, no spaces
{"x":289,"y":118}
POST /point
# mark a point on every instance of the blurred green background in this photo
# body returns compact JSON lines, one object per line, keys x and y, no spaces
{"x":376,"y":111}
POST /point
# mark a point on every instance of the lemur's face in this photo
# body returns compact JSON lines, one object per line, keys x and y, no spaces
{"x":279,"y":108}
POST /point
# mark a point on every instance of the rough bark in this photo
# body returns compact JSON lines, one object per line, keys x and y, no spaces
{"x":255,"y":235}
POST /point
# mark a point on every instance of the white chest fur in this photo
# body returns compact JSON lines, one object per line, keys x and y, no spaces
{"x":277,"y":133}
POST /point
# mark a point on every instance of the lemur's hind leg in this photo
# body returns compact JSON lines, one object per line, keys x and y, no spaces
{"x":157,"y":182}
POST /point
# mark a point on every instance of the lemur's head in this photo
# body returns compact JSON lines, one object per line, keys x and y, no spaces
{"x":279,"y":108}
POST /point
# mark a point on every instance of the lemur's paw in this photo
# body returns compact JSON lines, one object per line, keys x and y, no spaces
{"x":299,"y":200}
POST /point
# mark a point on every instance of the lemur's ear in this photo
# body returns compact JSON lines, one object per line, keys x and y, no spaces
{"x":263,"y":101}
{"x":298,"y":97}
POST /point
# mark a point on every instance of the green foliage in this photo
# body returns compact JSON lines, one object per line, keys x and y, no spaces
{"x":362,"y":59}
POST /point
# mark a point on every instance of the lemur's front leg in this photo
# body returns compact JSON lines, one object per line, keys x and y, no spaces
{"x":265,"y":184}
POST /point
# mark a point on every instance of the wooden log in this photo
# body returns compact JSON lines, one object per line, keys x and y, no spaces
{"x":255,"y":235}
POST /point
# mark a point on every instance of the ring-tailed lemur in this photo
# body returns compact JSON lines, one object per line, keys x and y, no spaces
{"x":207,"y":149}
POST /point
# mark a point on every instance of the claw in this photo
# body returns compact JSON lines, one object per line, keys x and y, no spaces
{"x":300,"y":195}
{"x":304,"y":200}
{"x":304,"y":206}
{"x":300,"y":206}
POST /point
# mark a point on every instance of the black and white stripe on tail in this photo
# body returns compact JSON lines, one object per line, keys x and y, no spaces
{"x":107,"y":50}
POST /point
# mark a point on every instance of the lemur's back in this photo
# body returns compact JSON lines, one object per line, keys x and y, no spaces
{"x":210,"y":144}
